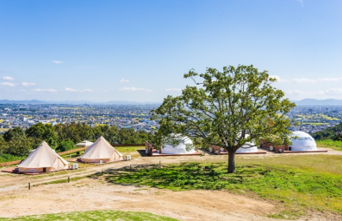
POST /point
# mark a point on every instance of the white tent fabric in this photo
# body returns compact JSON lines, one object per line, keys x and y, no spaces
{"x":304,"y":142}
{"x":101,"y":150}
{"x":84,"y":143}
{"x":43,"y":157}
{"x":248,"y":147}
{"x":180,"y":148}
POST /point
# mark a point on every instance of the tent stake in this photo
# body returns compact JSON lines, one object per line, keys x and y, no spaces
{"x":29,"y":186}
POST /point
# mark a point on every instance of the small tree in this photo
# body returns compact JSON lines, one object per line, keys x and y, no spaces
{"x":65,"y":146}
{"x":226,"y":106}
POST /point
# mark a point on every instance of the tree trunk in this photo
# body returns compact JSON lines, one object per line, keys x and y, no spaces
{"x":231,"y":162}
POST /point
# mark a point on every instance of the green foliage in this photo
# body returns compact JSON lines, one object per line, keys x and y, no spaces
{"x":328,"y":133}
{"x":226,"y":107}
{"x":8,"y":158}
{"x":298,"y":188}
{"x":94,"y":215}
{"x":20,"y":146}
{"x":14,"y":133}
{"x":42,"y":131}
{"x":65,"y":146}
{"x":335,"y":144}
{"x":63,"y":137}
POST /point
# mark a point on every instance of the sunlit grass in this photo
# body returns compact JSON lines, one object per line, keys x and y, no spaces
{"x":337,"y":145}
{"x":299,"y":183}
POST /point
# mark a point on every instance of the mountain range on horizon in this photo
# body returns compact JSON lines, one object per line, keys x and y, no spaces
{"x":308,"y":102}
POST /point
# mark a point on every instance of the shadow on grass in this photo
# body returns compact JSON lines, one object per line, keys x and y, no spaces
{"x":186,"y":176}
{"x":142,"y":153}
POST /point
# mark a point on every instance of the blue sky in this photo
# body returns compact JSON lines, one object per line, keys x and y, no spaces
{"x":139,"y":50}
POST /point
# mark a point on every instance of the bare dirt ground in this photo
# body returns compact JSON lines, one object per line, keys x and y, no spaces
{"x":90,"y":194}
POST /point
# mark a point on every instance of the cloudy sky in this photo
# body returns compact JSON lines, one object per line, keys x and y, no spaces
{"x":139,"y":50}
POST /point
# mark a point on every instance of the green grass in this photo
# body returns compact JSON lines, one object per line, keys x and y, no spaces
{"x":295,"y":183}
{"x":133,"y":150}
{"x":8,"y":158}
{"x":97,"y":215}
{"x":337,"y":145}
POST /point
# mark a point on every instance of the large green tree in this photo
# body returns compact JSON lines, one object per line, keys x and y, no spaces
{"x":226,"y":108}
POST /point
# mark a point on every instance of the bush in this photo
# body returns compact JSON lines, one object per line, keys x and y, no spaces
{"x":65,"y":146}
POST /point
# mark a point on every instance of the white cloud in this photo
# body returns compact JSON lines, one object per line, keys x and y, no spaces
{"x":173,"y":89}
{"x":74,"y":90}
{"x":124,"y":80}
{"x":58,"y":62}
{"x":45,"y":90}
{"x":70,"y":89}
{"x":8,"y":78}
{"x":135,"y":89}
{"x":334,"y":91}
{"x":8,"y":84}
{"x":330,"y":91}
{"x":305,"y":80}
{"x":28,"y":84}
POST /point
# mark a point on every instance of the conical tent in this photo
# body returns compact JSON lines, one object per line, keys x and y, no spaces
{"x":43,"y":159}
{"x":84,"y":143}
{"x":101,"y":150}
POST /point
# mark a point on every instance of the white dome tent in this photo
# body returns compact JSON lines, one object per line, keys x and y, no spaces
{"x":248,"y":147}
{"x":185,"y":146}
{"x":303,"y":142}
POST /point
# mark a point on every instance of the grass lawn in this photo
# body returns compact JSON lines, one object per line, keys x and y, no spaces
{"x":97,"y":215}
{"x":133,"y":151}
{"x":8,"y":158}
{"x":296,"y":183}
{"x":337,"y":145}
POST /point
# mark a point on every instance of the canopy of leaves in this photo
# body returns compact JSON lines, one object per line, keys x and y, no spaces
{"x":225,"y":106}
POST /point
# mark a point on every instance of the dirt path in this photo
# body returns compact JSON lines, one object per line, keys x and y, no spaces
{"x":14,"y":181}
{"x":89,"y":194}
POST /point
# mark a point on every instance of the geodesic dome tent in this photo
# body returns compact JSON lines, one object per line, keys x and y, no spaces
{"x":181,"y":148}
{"x":304,"y":142}
{"x":43,"y":159}
{"x":248,"y":147}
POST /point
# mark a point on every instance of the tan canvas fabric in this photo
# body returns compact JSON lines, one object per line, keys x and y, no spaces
{"x":101,"y":150}
{"x":43,"y":157}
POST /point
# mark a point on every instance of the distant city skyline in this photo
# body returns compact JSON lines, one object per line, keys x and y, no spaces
{"x":139,"y":50}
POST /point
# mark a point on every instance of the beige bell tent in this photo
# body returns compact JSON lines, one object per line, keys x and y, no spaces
{"x":84,"y":143}
{"x":43,"y":159}
{"x":101,"y":150}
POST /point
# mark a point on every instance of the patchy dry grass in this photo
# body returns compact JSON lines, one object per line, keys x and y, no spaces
{"x":298,"y":183}
{"x":95,"y":215}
